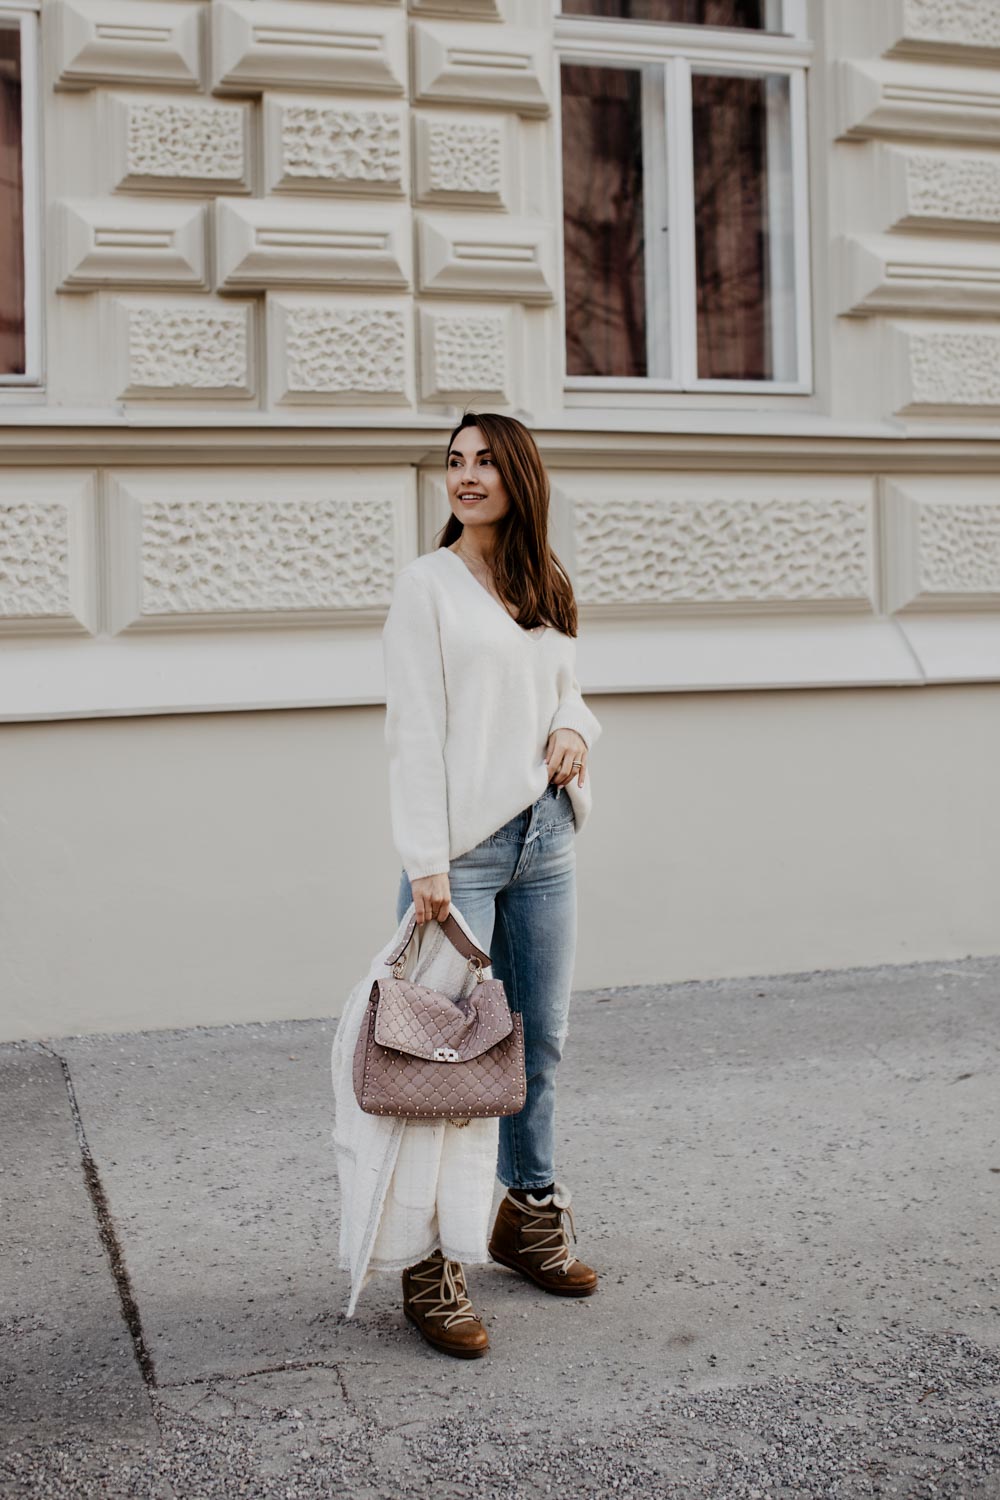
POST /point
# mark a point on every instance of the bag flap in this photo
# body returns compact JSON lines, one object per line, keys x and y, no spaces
{"x":414,"y":1019}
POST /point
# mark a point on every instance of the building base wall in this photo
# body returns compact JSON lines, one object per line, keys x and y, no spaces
{"x":203,"y":869}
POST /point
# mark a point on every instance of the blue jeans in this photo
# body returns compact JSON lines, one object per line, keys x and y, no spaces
{"x":517,"y":892}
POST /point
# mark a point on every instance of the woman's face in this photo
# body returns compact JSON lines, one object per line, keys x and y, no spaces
{"x":475,"y":490}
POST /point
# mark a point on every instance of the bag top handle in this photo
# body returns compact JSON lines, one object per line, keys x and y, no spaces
{"x":452,"y":932}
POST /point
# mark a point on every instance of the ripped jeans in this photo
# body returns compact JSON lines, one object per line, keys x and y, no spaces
{"x":517,"y":893}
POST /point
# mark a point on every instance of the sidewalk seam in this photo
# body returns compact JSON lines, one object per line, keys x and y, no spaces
{"x":107,"y":1231}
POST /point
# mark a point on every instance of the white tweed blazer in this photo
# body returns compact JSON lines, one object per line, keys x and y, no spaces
{"x":408,"y":1186}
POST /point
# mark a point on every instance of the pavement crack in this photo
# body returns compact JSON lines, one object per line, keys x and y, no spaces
{"x":284,"y":1367}
{"x":107,"y":1231}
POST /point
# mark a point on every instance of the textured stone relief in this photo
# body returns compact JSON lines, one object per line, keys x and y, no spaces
{"x":339,"y":147}
{"x":956,"y":367}
{"x":959,"y":547}
{"x":185,"y":349}
{"x":942,"y":543}
{"x":170,"y":139}
{"x":34,"y":560}
{"x":350,"y":351}
{"x":640,"y":550}
{"x":232,"y":555}
{"x":942,"y":189}
{"x":464,"y":159}
{"x":465,"y":353}
{"x":112,"y":41}
{"x":961,"y":23}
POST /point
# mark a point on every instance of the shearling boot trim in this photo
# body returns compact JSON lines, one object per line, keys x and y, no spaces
{"x":544,"y":1233}
{"x":533,"y":1238}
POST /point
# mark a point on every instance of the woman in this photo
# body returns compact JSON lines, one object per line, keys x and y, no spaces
{"x":488,"y":740}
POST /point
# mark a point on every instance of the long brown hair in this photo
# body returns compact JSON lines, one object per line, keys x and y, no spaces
{"x":527,"y":574}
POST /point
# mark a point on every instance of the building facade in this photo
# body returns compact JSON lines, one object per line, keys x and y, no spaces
{"x":737,"y":265}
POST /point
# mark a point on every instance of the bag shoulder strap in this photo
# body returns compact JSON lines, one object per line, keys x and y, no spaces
{"x":452,"y":932}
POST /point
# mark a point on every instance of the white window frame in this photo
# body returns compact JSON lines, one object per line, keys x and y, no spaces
{"x":679,"y":50}
{"x":25,"y":13}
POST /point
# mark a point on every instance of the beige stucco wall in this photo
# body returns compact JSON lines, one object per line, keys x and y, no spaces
{"x":206,"y":868}
{"x":203,"y":507}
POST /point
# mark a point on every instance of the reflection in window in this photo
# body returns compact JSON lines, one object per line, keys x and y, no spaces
{"x":751,"y":15}
{"x":603,"y":221}
{"x":12,"y":346}
{"x":743,"y":227}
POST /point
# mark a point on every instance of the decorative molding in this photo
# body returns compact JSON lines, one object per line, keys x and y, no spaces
{"x":668,"y":543}
{"x":348,"y":350}
{"x":465,"y":351}
{"x":943,"y":544}
{"x":261,"y":244}
{"x":174,"y":145}
{"x":118,"y":41}
{"x":947,"y":369}
{"x":252,"y":546}
{"x":258,"y":44}
{"x":464,"y":161}
{"x":762,"y":443}
{"x":177,"y":671}
{"x":485,"y":257}
{"x":469,"y":65}
{"x":175,"y":350}
{"x":47,"y":553}
{"x":316,"y":145}
{"x":960,"y":647}
{"x":901,"y":99}
{"x":889,"y":273}
{"x":963,"y":29}
{"x":128,"y":242}
{"x":470,"y":10}
{"x":939,"y":189}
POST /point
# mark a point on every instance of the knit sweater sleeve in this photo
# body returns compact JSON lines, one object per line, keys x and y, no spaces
{"x":415,"y":728}
{"x":573,"y":713}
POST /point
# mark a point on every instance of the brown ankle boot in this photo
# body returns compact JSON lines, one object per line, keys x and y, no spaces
{"x":531,"y":1237}
{"x":435,"y":1301}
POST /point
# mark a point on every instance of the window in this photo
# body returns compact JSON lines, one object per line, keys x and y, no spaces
{"x":755,"y":15}
{"x":20,"y":335}
{"x":684,"y":195}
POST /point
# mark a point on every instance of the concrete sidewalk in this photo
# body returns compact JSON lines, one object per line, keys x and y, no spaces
{"x":790,"y":1185}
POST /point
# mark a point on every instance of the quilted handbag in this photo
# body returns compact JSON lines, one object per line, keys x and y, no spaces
{"x":423,"y":1056}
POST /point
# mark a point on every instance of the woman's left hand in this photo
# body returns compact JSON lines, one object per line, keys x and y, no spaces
{"x":562,"y":748}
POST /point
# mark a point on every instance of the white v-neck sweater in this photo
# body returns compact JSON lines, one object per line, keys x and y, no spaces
{"x":471,"y":699}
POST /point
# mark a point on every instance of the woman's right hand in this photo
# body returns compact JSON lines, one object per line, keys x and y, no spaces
{"x":431,"y":897}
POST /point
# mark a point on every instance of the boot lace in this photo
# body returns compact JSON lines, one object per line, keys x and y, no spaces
{"x":444,"y":1294}
{"x":544,"y":1233}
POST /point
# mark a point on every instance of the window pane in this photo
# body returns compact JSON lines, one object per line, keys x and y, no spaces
{"x":11,"y":208}
{"x":603,"y":220}
{"x":743,"y":227}
{"x":752,"y":15}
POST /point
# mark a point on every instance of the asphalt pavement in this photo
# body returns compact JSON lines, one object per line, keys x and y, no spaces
{"x":789,"y":1185}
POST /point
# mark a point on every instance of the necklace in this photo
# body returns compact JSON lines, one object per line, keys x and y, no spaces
{"x":486,"y":581}
{"x":539,"y":630}
{"x":459,"y":550}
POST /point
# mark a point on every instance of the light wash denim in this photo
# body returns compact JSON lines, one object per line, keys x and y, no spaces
{"x":517,"y":892}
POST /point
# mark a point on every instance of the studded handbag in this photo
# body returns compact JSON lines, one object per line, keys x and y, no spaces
{"x":421,"y":1055}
